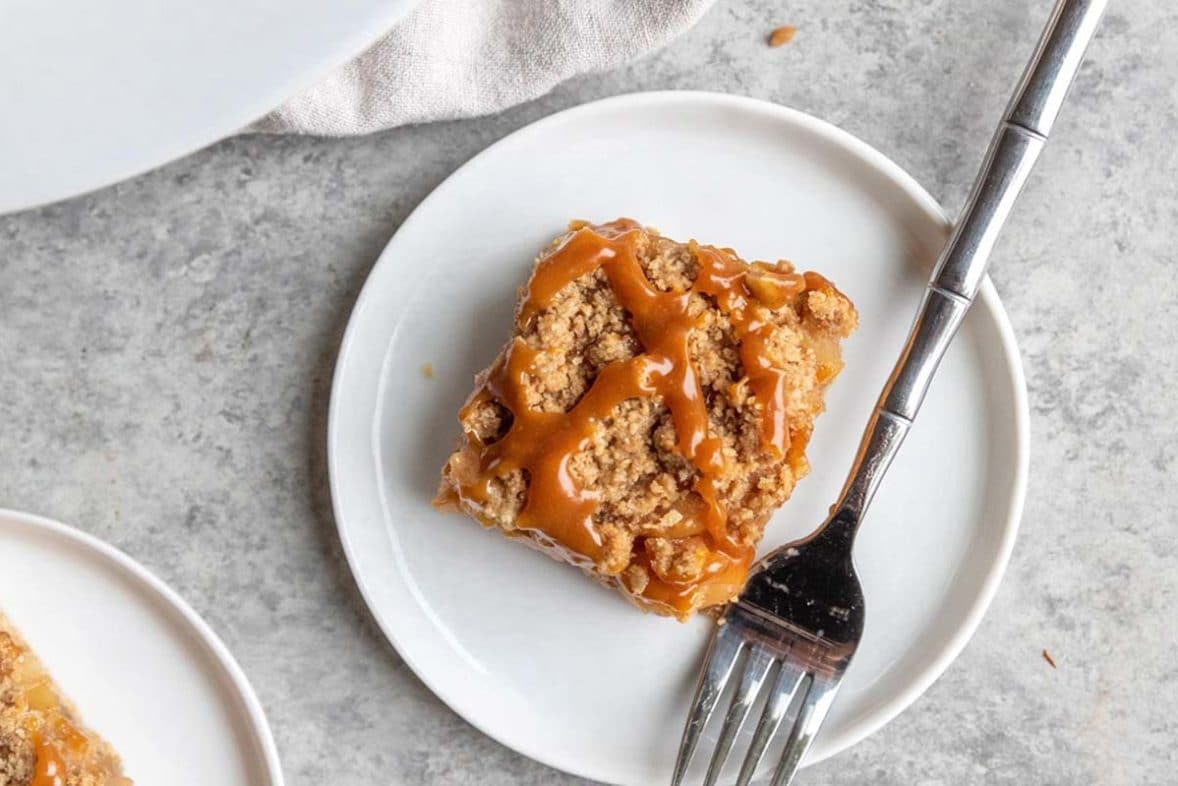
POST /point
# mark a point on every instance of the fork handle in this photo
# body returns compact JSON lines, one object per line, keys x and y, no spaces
{"x":962,"y":266}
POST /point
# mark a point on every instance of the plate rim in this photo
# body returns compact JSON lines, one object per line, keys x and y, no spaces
{"x":128,"y":566}
{"x":237,"y":120}
{"x":1007,"y":345}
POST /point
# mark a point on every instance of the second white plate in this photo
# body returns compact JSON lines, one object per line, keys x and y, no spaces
{"x":143,"y":669}
{"x":530,"y":651}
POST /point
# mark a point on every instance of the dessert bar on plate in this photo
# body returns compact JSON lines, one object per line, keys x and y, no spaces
{"x":650,"y":411}
{"x":42,"y":741}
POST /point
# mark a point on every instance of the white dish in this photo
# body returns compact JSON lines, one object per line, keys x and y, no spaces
{"x":95,"y":92}
{"x":144,"y":670}
{"x":530,"y":651}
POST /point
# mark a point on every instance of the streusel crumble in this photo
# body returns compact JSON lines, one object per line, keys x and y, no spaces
{"x":651,"y":411}
{"x":42,"y":742}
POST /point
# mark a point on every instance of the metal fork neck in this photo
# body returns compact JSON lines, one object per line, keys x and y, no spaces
{"x":955,"y":283}
{"x":961,"y":269}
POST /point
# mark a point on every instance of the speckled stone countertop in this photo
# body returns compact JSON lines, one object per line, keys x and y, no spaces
{"x":167,"y":347}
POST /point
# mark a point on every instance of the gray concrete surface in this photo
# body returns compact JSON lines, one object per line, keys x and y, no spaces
{"x":167,"y":345}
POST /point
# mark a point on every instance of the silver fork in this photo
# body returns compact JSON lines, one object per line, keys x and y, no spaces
{"x":798,"y":621}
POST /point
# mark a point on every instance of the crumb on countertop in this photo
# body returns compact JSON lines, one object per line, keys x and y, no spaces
{"x":782,"y":35}
{"x":427,"y":370}
{"x":1050,"y":661}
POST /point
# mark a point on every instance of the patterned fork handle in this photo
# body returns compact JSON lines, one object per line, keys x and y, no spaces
{"x":962,"y":267}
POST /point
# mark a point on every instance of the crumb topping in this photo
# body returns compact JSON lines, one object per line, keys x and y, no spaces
{"x":651,"y":411}
{"x":41,"y":741}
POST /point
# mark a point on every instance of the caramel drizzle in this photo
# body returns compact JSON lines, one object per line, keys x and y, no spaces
{"x":49,"y":770}
{"x":543,"y":444}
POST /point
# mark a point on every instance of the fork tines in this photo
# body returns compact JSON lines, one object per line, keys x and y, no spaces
{"x":760,"y":650}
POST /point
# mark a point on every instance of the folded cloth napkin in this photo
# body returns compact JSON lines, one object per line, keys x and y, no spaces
{"x":459,"y":58}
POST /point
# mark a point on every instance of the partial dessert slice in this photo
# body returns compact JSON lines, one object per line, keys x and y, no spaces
{"x":651,"y":411}
{"x":42,"y":742}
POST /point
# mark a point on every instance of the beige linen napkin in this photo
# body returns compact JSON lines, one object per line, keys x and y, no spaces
{"x":459,"y":58}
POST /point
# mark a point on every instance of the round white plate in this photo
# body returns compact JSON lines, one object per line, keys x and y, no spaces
{"x":143,"y":669}
{"x":532,"y":652}
{"x":95,"y":92}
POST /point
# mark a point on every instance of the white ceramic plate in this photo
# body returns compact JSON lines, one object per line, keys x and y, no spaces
{"x":94,"y":92}
{"x":530,"y":651}
{"x":143,"y":669}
